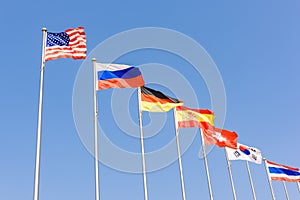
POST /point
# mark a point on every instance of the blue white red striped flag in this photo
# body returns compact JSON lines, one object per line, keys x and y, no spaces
{"x":68,"y":44}
{"x":280,"y":172}
{"x":117,"y":76}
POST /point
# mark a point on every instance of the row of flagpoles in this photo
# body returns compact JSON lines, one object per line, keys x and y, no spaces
{"x":72,"y":44}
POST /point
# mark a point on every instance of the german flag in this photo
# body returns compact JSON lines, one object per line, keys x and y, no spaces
{"x":155,"y":101}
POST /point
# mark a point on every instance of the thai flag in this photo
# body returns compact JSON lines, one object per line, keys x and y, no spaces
{"x":282,"y":173}
{"x":117,"y":76}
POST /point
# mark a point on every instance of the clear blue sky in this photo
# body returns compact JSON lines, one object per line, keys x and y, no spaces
{"x":254,"y":44}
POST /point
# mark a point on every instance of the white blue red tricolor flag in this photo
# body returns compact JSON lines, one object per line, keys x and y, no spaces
{"x":118,"y":76}
{"x":243,"y":152}
{"x":68,"y":44}
{"x":280,"y":172}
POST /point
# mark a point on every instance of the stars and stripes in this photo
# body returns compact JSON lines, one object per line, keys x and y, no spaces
{"x":72,"y":44}
{"x":68,"y":44}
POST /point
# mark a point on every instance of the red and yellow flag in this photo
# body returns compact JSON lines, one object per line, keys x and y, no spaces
{"x":204,"y":119}
{"x":189,"y":117}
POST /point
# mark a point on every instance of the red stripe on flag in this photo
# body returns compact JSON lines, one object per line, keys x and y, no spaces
{"x":76,"y":48}
{"x":182,"y":108}
{"x":66,"y":56}
{"x":285,"y":179}
{"x":279,"y":165}
{"x":189,"y":124}
{"x":121,"y":83}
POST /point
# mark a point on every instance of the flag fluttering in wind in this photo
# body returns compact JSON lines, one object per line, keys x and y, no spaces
{"x":118,"y":76}
{"x":219,"y":137}
{"x":156,"y":101}
{"x":243,"y":152}
{"x":68,"y":44}
{"x":189,"y":117}
{"x":280,"y":172}
{"x":204,"y":119}
{"x":114,"y":76}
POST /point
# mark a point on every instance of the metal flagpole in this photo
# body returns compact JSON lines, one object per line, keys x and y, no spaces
{"x":230,"y":175}
{"x":97,"y":182}
{"x":142,"y":145}
{"x":206,"y":166}
{"x":298,"y":184}
{"x":269,"y":179}
{"x":250,"y":178}
{"x":39,"y":128}
{"x":179,"y":156}
{"x":285,"y":190}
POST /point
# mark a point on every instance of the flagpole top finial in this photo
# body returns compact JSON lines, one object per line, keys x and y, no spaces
{"x":44,"y":29}
{"x":94,"y":59}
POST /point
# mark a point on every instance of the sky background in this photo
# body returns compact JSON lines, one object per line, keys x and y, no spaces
{"x":254,"y":44}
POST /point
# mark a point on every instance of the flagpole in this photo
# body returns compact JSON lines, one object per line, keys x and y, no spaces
{"x":142,"y":145}
{"x":206,"y":166}
{"x":179,"y":156}
{"x":97,"y":182}
{"x":269,"y":179}
{"x":251,"y":181}
{"x":298,"y":184}
{"x":39,"y":128}
{"x":230,"y":175}
{"x":285,"y":190}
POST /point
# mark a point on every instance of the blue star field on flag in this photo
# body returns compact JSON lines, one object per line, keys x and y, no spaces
{"x":68,"y":44}
{"x":57,"y":39}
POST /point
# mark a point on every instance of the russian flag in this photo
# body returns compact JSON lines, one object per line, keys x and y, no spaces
{"x":117,"y":76}
{"x":283,"y":173}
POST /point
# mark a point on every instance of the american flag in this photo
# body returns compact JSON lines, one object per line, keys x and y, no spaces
{"x":68,"y":44}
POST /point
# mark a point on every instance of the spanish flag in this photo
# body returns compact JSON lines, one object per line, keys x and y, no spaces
{"x":155,"y":101}
{"x":189,"y":117}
